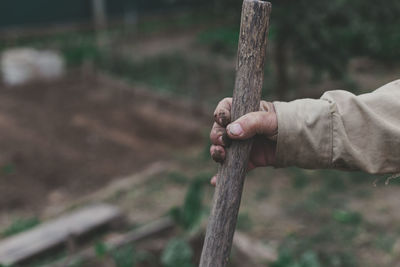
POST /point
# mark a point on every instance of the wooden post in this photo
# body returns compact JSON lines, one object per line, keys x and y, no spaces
{"x":246,"y":98}
{"x":99,"y":14}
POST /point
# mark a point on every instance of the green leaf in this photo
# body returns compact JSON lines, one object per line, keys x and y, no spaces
{"x":8,"y":169}
{"x":190,"y":214}
{"x":100,"y":249}
{"x":124,"y":256}
{"x":192,"y":207}
{"x":347,"y":217}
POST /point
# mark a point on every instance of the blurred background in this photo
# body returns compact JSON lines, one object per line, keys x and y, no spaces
{"x":105,"y":106}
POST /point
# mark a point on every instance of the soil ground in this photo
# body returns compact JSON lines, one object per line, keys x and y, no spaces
{"x":62,"y":139}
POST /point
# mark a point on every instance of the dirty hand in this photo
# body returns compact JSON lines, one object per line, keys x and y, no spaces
{"x":263,"y":125}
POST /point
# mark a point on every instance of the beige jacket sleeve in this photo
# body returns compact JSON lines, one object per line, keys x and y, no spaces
{"x":342,"y":131}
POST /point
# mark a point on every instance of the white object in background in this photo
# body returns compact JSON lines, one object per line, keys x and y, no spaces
{"x":21,"y":65}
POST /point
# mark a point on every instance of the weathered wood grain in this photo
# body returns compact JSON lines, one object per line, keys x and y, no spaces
{"x":55,"y":232}
{"x":246,"y":98}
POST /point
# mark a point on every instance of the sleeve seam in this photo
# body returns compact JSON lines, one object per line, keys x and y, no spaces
{"x":331,"y":111}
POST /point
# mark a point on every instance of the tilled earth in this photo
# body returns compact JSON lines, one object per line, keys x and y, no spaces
{"x":65,"y":138}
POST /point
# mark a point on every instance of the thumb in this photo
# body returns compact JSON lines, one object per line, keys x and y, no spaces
{"x":260,"y":122}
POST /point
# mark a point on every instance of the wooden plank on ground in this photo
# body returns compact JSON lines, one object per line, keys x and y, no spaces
{"x":120,"y":185}
{"x":257,"y":253}
{"x":55,"y":232}
{"x":143,"y":232}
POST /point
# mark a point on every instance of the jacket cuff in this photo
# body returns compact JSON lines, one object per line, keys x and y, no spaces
{"x":304,"y":134}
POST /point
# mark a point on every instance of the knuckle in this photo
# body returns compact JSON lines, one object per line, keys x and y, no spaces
{"x":211,"y":150}
{"x":226,"y":99}
{"x":223,"y":117}
{"x":254,"y":122}
{"x":225,"y":102}
{"x":215,"y":114}
{"x":264,"y":105}
{"x":222,"y":101}
{"x":214,"y":135}
{"x":217,"y":154}
{"x":263,"y":122}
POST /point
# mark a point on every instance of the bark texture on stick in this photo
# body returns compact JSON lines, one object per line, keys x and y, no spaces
{"x":246,"y":98}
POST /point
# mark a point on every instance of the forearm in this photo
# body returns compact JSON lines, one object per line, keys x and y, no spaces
{"x":342,"y":131}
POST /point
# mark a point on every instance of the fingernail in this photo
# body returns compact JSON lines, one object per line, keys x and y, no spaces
{"x":235,"y":129}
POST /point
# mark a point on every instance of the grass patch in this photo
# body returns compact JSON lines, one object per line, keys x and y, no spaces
{"x":299,"y":177}
{"x":332,"y":229}
{"x":124,"y":256}
{"x":8,"y":169}
{"x":319,"y":249}
{"x":100,"y":248}
{"x":261,"y":194}
{"x":347,"y":217}
{"x":52,"y":258}
{"x":20,"y":225}
{"x":333,"y":180}
{"x":287,"y":258}
{"x":177,"y":253}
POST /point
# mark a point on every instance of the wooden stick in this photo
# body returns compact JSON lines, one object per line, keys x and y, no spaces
{"x":246,"y":98}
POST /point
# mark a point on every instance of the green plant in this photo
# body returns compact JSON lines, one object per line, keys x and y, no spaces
{"x":8,"y":169}
{"x":177,"y":253}
{"x":347,"y":217}
{"x":100,"y":249}
{"x":189,"y":215}
{"x":124,"y":256}
{"x":20,"y":225}
{"x":287,"y":258}
{"x":261,"y":194}
{"x":324,"y":35}
{"x":300,"y":178}
{"x":333,"y":180}
{"x":75,"y":53}
{"x":317,"y":249}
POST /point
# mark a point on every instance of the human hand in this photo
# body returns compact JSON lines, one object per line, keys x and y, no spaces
{"x":263,"y":125}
